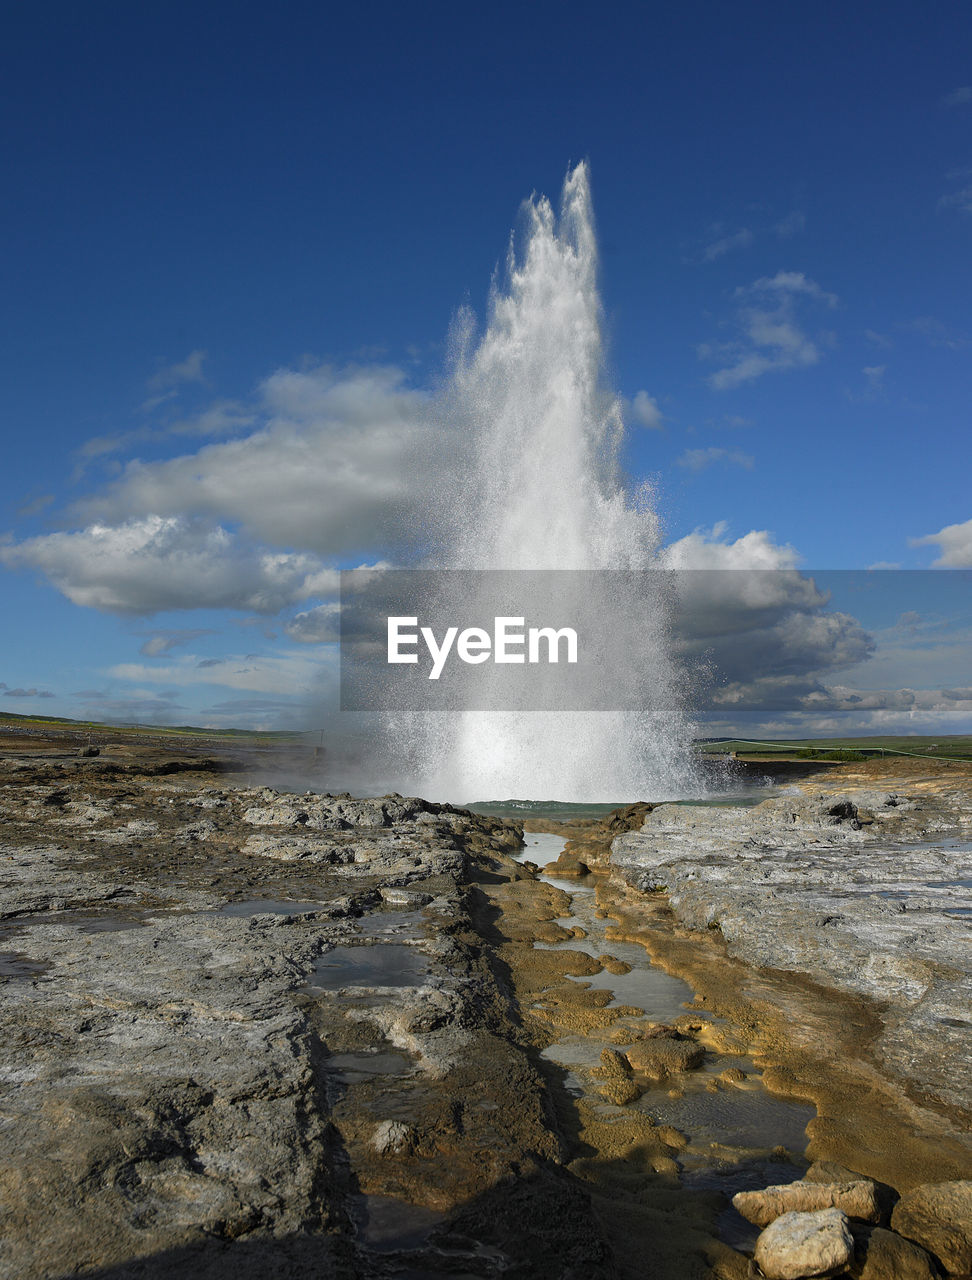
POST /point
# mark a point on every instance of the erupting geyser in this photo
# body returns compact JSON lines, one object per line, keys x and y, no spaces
{"x":542,"y":489}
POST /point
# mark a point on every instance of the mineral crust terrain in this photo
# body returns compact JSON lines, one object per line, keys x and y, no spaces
{"x":250,"y":1032}
{"x":861,"y":881}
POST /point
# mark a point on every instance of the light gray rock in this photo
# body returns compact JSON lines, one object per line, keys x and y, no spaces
{"x":799,"y":1245}
{"x":391,"y":1136}
{"x":156,"y":1086}
{"x":799,"y":883}
{"x":855,"y":1199}
{"x":161,"y":1078}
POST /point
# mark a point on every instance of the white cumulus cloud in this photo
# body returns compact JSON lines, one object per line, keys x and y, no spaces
{"x":724,"y":244}
{"x":337,"y":463}
{"x":168,"y":562}
{"x":340,"y":460}
{"x":955,"y":541}
{"x":708,"y":549}
{"x":770,"y":332}
{"x":788,"y":282}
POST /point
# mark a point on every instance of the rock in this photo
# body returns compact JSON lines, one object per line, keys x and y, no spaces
{"x":855,"y":1199}
{"x":620,"y":1092}
{"x":89,"y":752}
{"x":831,"y":1171}
{"x":396,"y":897}
{"x":732,"y":1075}
{"x":615,"y":1071}
{"x":614,"y":1065}
{"x":843,"y":811}
{"x":884,"y":1255}
{"x":938,"y":1216}
{"x":799,"y":1245}
{"x":801,"y":883}
{"x":391,"y":1136}
{"x":672,"y":1137}
{"x":569,"y":864}
{"x":174,"y":1099}
{"x":661,"y":1055}
{"x":297,"y":848}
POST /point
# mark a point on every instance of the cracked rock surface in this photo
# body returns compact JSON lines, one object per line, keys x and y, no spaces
{"x":240,"y":1030}
{"x":866,"y":889}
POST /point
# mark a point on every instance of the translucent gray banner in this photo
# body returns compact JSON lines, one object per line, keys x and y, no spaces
{"x":734,"y":644}
{"x":517,"y":640}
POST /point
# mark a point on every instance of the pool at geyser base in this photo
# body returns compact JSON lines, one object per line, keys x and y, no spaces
{"x":745,"y":796}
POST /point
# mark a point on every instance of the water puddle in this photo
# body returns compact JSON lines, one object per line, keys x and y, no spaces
{"x":14,"y":965}
{"x":389,"y":922}
{"x":87,"y":921}
{"x":351,"y":1068}
{"x":745,"y":1119}
{"x":381,"y":964}
{"x":387,"y":1225}
{"x":264,"y":906}
{"x":541,"y":848}
{"x":647,"y":987}
{"x":663,"y":997}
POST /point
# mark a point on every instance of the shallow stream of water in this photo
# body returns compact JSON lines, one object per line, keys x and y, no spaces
{"x":735,"y":1131}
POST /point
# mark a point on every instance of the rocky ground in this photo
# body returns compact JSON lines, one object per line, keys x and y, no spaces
{"x":864,"y":887}
{"x":254,"y":1033}
{"x":188,"y":1083}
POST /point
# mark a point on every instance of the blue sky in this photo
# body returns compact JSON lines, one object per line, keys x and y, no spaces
{"x":219,"y":216}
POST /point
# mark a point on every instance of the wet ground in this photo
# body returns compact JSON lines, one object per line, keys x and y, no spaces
{"x":738,"y":1136}
{"x":258,"y":1034}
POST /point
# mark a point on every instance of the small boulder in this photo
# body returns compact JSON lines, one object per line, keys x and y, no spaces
{"x":672,"y":1137}
{"x":89,"y":752}
{"x":732,"y":1075}
{"x":938,"y":1216}
{"x":843,"y":811}
{"x":618,"y":1087}
{"x":831,"y":1171}
{"x":614,"y":1065}
{"x":569,"y":863}
{"x":391,"y":1136}
{"x":799,"y":1245}
{"x":855,"y":1199}
{"x":661,"y":1055}
{"x":884,"y":1255}
{"x":620,"y":1092}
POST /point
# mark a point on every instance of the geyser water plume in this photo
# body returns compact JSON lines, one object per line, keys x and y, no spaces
{"x":543,"y":490}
